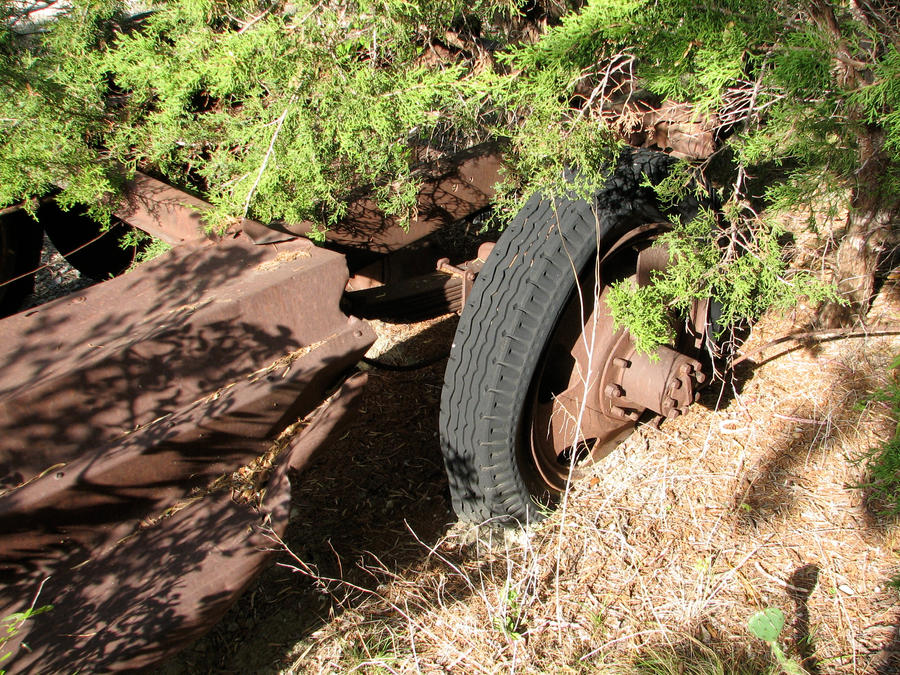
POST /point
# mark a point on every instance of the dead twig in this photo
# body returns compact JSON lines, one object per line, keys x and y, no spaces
{"x":824,"y":335}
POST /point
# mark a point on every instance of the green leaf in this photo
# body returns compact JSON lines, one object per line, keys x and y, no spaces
{"x":767,"y":624}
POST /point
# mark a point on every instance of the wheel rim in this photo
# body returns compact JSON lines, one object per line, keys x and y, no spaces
{"x":591,"y":386}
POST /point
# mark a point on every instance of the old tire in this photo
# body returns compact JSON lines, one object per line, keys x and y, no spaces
{"x":506,"y":327}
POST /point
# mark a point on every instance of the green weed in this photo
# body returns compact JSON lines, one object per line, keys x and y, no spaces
{"x":509,"y":621}
{"x":10,"y":625}
{"x":373,"y":654}
{"x":767,"y":626}
{"x":883,"y":462}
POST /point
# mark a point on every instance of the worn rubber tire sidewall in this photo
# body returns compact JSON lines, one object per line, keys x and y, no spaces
{"x":510,"y":316}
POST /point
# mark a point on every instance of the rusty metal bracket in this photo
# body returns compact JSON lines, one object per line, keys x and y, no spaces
{"x":466,"y":275}
{"x":467,"y":271}
{"x":419,"y":297}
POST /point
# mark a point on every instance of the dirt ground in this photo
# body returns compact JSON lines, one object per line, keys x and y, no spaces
{"x":752,"y":500}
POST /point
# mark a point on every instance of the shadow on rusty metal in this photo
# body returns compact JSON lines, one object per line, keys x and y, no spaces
{"x":147,"y":595}
{"x":86,"y":369}
{"x":117,"y":403}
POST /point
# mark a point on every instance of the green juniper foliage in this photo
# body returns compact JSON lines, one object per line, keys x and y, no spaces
{"x":744,"y":281}
{"x":281,"y":110}
{"x":274,"y":111}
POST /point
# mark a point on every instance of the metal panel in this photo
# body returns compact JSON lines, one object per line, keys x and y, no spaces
{"x":85,"y":369}
{"x":166,"y":212}
{"x":89,"y":500}
{"x":152,"y":593}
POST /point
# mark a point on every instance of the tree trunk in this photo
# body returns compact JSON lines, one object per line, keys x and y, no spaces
{"x":870,"y":225}
{"x":872,"y":211}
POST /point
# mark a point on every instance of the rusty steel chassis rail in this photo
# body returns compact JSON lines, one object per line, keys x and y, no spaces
{"x":120,"y":404}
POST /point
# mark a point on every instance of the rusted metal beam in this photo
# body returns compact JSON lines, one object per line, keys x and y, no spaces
{"x":165,"y":212}
{"x":86,"y":369}
{"x":152,"y":593}
{"x":454,"y":190}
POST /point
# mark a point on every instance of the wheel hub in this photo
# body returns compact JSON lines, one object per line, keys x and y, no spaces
{"x":595,"y":385}
{"x":665,"y":382}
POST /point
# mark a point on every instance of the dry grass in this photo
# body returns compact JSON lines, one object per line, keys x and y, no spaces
{"x":666,"y":548}
{"x":663,"y":552}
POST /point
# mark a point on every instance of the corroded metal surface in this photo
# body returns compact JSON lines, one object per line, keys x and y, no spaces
{"x":411,"y":299}
{"x":166,"y":212}
{"x":148,"y":595}
{"x":454,"y":190}
{"x":176,"y":216}
{"x":117,"y":402}
{"x":95,"y":497}
{"x":422,"y":296}
{"x":85,"y":369}
{"x":122,"y":401}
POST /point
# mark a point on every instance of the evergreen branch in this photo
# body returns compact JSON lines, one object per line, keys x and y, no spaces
{"x":249,"y":24}
{"x":268,"y":155}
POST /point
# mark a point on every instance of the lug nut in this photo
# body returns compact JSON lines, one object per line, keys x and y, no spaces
{"x":673,"y":413}
{"x":674,"y":385}
{"x":625,"y":414}
{"x":622,"y":363}
{"x":700,"y":377}
{"x":613,"y":391}
{"x":685,"y":369}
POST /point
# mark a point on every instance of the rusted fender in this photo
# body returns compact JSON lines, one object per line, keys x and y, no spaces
{"x":150,"y":594}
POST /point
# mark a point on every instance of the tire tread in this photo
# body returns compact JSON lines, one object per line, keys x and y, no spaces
{"x":509,"y":316}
